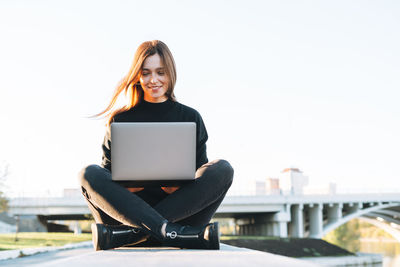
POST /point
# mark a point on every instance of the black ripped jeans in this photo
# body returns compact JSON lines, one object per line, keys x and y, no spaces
{"x":192,"y":204}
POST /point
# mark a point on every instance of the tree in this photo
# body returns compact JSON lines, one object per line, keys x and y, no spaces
{"x":4,"y":171}
{"x":346,"y":236}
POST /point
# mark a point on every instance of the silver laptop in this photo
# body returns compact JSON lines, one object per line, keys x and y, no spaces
{"x":143,"y":152}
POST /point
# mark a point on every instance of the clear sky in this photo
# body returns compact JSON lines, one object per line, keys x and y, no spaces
{"x":307,"y":84}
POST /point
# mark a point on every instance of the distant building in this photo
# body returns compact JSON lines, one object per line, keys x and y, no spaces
{"x":292,"y":181}
{"x":272,"y":186}
{"x":269,"y":186}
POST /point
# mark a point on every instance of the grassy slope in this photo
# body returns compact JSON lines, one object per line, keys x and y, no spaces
{"x":27,"y":240}
{"x":292,"y":247}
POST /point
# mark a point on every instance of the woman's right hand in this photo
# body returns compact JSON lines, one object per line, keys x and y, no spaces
{"x":169,"y":189}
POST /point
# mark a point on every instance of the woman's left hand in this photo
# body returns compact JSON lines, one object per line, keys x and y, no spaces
{"x":135,"y":189}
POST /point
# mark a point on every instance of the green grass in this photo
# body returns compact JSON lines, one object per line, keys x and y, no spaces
{"x":28,"y":240}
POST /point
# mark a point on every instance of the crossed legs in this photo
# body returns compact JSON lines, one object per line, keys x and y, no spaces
{"x":193,"y":204}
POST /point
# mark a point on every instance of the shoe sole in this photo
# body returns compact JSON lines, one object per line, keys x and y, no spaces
{"x":95,"y":237}
{"x":214,"y":237}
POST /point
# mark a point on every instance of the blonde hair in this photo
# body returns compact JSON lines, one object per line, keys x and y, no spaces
{"x":130,"y":84}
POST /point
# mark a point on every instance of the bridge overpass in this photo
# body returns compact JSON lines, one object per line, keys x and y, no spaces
{"x":272,"y":215}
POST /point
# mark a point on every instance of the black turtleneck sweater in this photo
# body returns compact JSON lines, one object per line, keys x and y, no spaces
{"x":167,"y":111}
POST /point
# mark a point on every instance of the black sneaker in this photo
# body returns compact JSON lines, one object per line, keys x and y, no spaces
{"x":206,"y":237}
{"x":113,"y":236}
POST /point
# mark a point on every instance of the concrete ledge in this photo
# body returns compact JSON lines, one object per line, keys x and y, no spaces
{"x":166,"y":257}
{"x":172,"y":257}
{"x":228,"y":255}
{"x":12,"y":254}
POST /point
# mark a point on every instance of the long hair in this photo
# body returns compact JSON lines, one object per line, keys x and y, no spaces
{"x":130,"y":85}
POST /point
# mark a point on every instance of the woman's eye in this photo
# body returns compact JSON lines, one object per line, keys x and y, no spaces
{"x":145,"y":74}
{"x":161,"y":73}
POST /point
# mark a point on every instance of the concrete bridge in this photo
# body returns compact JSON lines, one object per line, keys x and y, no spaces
{"x":271,"y":215}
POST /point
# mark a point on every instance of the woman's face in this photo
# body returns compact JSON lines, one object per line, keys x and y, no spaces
{"x":154,"y":79}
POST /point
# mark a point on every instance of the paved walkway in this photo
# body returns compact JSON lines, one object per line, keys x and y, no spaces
{"x":165,"y":257}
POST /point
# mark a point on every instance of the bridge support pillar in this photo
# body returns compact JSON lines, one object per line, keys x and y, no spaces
{"x":278,"y":223}
{"x":335,"y":212}
{"x":244,"y":226}
{"x":77,"y":228}
{"x":354,"y":207}
{"x":297,"y":223}
{"x":316,"y":221}
{"x":264,"y":224}
{"x":273,"y":225}
{"x":278,"y":229}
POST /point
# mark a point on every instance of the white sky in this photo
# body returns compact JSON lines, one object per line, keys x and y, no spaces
{"x":307,"y":84}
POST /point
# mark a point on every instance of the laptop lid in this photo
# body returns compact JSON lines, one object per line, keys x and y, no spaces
{"x":153,"y":151}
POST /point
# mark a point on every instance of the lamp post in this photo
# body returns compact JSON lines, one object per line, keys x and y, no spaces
{"x":16,"y":231}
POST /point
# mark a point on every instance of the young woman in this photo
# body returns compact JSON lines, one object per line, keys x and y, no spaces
{"x":155,"y":216}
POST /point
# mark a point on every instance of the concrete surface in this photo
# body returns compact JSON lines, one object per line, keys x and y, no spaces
{"x":15,"y":253}
{"x":362,"y":259}
{"x":227,"y":256}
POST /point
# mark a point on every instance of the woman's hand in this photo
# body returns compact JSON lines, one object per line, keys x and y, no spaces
{"x":170,"y":189}
{"x":135,"y":189}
